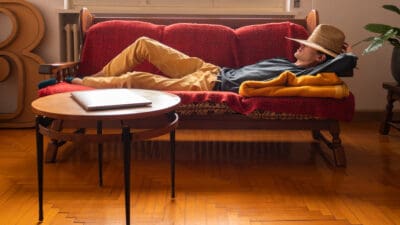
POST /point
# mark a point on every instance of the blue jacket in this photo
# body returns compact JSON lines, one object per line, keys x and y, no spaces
{"x":270,"y":68}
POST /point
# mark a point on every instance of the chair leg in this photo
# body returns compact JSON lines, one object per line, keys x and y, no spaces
{"x":385,"y":126}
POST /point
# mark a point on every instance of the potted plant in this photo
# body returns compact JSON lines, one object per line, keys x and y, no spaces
{"x":386,"y":33}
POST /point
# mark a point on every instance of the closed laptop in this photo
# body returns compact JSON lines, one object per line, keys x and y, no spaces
{"x":102,"y":99}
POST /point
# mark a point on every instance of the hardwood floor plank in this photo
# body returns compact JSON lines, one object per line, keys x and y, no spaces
{"x":235,"y":177}
{"x":320,"y":222}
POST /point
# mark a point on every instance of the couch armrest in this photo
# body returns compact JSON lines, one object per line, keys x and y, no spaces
{"x":59,"y":70}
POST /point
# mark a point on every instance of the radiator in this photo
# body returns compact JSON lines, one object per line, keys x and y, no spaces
{"x":72,"y":50}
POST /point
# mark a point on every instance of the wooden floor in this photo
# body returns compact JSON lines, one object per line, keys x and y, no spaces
{"x":260,"y":178}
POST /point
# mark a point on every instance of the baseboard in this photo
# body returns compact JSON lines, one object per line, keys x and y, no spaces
{"x":372,"y":116}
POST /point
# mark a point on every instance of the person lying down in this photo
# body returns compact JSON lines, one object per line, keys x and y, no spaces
{"x":324,"y":53}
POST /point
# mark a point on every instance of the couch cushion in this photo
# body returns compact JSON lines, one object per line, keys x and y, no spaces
{"x":106,"y":39}
{"x":215,"y":44}
{"x":325,"y":108}
{"x":265,"y":41}
{"x":316,"y":108}
{"x":61,"y":88}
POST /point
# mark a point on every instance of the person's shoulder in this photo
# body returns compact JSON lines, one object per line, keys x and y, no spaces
{"x":348,"y":55}
{"x":275,"y":60}
{"x":343,"y":62}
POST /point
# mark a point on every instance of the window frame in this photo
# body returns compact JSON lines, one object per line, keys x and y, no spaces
{"x":223,"y":7}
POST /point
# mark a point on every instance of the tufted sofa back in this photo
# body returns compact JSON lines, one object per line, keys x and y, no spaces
{"x":217,"y":44}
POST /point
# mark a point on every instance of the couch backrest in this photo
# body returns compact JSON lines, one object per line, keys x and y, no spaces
{"x":216,"y":44}
{"x":264,"y":41}
{"x":213,"y":43}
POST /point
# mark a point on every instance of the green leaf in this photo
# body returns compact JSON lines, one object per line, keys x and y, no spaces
{"x":389,"y":34}
{"x":375,"y":45}
{"x":386,"y":33}
{"x":378,"y":28}
{"x":377,"y":42}
{"x":392,"y":8}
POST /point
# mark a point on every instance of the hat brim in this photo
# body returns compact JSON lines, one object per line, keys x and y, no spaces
{"x":314,"y":46}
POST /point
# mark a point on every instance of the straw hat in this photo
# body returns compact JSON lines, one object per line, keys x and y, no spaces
{"x":325,"y":38}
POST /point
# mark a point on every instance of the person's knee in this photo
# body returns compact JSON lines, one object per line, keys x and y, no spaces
{"x":145,"y":42}
{"x":144,"y":39}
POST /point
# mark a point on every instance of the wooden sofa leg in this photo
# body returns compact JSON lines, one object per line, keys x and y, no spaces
{"x":51,"y":151}
{"x":339,"y":156}
{"x":52,"y":147}
{"x":316,"y":134}
{"x":338,"y":150}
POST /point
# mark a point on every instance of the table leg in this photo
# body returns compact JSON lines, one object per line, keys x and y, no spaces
{"x":385,"y":126}
{"x":100,"y":152}
{"x":39,"y":157}
{"x":172,"y":142}
{"x":126,"y":138}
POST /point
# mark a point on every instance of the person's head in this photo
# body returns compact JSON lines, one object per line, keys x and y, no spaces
{"x":325,"y":42}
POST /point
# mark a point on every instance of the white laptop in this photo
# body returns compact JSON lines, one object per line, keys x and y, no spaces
{"x":102,"y":99}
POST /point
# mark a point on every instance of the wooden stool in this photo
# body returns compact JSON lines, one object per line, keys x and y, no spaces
{"x":392,"y":96}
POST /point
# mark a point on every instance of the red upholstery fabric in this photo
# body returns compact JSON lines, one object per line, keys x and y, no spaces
{"x":265,"y":41}
{"x":213,"y":43}
{"x":318,"y":107}
{"x":217,"y":44}
{"x":105,"y":40}
{"x":61,"y":88}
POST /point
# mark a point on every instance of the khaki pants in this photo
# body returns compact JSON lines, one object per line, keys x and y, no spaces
{"x":182,"y":73}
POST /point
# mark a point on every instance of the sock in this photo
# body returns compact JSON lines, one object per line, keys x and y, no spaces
{"x":68,"y":79}
{"x":53,"y":81}
{"x":46,"y":83}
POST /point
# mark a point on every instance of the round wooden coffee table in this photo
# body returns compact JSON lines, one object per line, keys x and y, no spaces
{"x":136,"y":123}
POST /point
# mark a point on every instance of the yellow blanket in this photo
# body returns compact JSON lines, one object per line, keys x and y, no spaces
{"x":327,"y":85}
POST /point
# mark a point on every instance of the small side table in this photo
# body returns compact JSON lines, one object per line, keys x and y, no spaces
{"x":137,"y":123}
{"x":393,"y":95}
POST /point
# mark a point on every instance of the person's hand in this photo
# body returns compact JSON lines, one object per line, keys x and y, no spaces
{"x":346,"y":48}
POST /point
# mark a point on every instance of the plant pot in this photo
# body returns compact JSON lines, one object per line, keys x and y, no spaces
{"x":396,"y":64}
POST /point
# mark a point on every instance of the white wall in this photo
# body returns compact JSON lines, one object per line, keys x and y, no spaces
{"x":349,"y":15}
{"x":49,"y":47}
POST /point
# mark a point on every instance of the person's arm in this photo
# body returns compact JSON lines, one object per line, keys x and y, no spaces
{"x":340,"y":64}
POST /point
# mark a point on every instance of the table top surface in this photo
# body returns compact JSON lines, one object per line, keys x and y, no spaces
{"x":62,"y":106}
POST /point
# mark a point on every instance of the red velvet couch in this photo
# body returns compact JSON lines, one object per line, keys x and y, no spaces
{"x":225,"y":41}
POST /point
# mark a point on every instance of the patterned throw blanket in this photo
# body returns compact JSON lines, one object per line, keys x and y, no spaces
{"x":326,"y":85}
